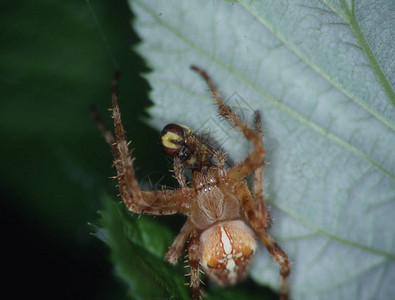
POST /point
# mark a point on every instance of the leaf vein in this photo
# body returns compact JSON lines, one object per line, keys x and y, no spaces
{"x":282,"y":106}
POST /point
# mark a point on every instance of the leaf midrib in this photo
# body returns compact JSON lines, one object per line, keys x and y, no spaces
{"x":365,"y":48}
{"x":368,"y":51}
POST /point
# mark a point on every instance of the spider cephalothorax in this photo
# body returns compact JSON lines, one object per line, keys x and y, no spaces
{"x":224,"y":217}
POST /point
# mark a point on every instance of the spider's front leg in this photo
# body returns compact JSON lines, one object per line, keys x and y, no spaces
{"x":138,"y":201}
{"x":255,"y":158}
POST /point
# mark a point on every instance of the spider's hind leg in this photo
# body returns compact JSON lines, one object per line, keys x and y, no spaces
{"x":260,"y":205}
{"x":281,"y":258}
{"x":258,"y":222}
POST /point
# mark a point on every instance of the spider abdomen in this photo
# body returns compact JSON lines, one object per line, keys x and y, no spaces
{"x":226,"y":251}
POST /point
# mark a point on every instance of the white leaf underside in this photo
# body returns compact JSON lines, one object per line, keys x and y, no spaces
{"x":329,"y":118}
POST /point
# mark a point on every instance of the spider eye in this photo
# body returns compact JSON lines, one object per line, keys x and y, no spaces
{"x":172,"y":138}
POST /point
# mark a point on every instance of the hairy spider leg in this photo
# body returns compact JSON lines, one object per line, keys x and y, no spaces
{"x":219,"y":161}
{"x":176,"y":249}
{"x":281,"y":258}
{"x":260,"y":205}
{"x":258,"y":222}
{"x":137,"y":201}
{"x":255,"y":158}
{"x":194,"y":264}
{"x":178,"y":245}
{"x":179,"y":175}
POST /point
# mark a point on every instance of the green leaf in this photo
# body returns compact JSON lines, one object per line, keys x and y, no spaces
{"x":138,"y":249}
{"x":321,"y":74}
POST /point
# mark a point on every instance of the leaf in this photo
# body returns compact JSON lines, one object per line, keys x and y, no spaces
{"x":321,"y":74}
{"x":138,"y":249}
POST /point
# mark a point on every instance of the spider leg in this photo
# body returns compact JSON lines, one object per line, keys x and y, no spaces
{"x":179,"y":175}
{"x":219,"y":160}
{"x":281,"y":258}
{"x":258,"y":221}
{"x":123,"y":161}
{"x":148,"y":202}
{"x":260,"y":204}
{"x":194,"y":259}
{"x":163,"y":202}
{"x":255,"y":158}
{"x":252,"y":210}
{"x":178,"y":245}
{"x":106,"y":133}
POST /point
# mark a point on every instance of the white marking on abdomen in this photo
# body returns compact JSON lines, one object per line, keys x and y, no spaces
{"x":226,"y":242}
{"x":230,"y":264}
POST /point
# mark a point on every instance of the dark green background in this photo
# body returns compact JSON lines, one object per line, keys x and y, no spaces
{"x":57,"y":58}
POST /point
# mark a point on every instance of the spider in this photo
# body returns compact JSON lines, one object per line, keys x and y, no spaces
{"x":224,"y":216}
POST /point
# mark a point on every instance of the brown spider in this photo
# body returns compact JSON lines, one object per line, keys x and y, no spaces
{"x":224,"y":218}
